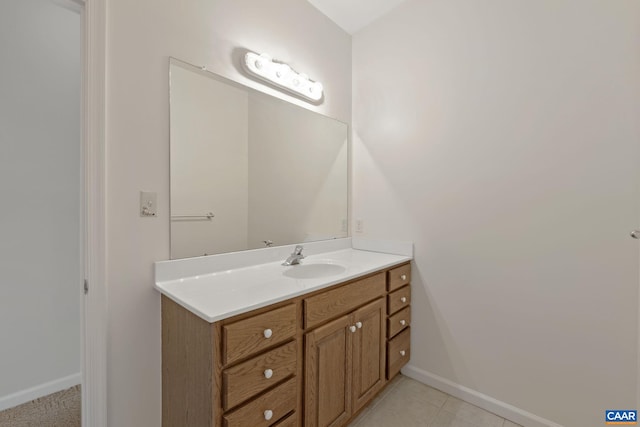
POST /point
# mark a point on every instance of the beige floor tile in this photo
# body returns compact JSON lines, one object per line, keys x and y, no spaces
{"x":388,"y":389}
{"x":409,"y":403}
{"x":424,"y":392}
{"x":448,"y":419}
{"x":399,"y":409}
{"x":470,"y":413}
{"x":360,"y":417}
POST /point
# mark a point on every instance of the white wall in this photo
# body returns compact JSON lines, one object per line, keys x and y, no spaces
{"x":208,"y":118}
{"x":40,"y":193}
{"x":297,"y":175}
{"x":502,"y":137}
{"x":141,"y":36}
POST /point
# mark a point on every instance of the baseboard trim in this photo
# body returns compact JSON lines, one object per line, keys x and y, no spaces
{"x":38,"y":391}
{"x":481,"y":400}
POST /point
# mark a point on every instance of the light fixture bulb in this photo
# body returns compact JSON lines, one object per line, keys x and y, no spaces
{"x":283,"y":70}
{"x":282,"y":75}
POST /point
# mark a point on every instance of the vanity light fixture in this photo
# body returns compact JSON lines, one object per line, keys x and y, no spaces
{"x":282,"y":75}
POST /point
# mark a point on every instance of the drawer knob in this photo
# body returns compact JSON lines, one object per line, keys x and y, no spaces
{"x":402,"y":353}
{"x":268,"y":414}
{"x":268,"y":333}
{"x":403,"y":322}
{"x":352,"y":328}
{"x":268,"y":373}
{"x":359,"y":325}
{"x":403,"y":300}
{"x":403,"y":277}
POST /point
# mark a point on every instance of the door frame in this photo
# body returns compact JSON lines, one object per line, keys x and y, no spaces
{"x":94,"y":305}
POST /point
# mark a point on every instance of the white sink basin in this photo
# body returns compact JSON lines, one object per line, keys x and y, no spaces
{"x":313,"y":271}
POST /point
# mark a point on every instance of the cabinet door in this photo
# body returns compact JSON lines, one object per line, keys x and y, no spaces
{"x":368,"y":352}
{"x":328,"y":374}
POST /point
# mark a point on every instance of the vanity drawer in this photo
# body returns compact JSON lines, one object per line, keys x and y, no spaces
{"x":333,"y":303}
{"x":290,"y":421}
{"x":265,"y":410}
{"x":398,"y":353}
{"x":399,"y":321}
{"x":248,"y":336}
{"x":248,"y":379}
{"x":399,"y":299}
{"x":399,"y":277}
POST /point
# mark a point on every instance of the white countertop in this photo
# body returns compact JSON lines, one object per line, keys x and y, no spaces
{"x":222,"y":294}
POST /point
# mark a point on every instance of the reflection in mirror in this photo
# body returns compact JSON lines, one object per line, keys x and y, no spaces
{"x":249,"y":170}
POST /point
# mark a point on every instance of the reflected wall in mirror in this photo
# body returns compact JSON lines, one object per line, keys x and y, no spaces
{"x":268,"y":170}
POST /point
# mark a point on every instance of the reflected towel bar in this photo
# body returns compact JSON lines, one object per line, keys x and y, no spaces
{"x":207,"y":216}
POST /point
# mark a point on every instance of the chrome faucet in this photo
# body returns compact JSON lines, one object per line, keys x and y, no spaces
{"x":295,"y":257}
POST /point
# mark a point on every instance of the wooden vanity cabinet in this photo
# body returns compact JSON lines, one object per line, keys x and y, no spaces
{"x":369,"y":355}
{"x":328,"y":361}
{"x":314,"y":360}
{"x":398,"y":319}
{"x":344,"y":365}
{"x":241,"y":371}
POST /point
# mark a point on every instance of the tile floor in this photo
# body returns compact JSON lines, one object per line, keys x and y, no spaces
{"x":408,"y":403}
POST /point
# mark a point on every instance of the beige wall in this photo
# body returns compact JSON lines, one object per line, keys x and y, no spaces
{"x":40,"y":205}
{"x":502,"y":138}
{"x":142,"y":35}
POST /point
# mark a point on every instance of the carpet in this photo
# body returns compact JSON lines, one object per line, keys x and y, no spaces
{"x":61,"y":409}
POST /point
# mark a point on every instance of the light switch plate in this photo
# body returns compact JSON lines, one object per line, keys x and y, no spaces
{"x":148,"y":204}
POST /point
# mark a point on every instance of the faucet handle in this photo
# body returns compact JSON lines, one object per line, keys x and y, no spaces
{"x":298,"y":250}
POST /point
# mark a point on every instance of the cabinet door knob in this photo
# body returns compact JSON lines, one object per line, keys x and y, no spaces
{"x":402,"y":353}
{"x":403,"y":277}
{"x":268,"y":373}
{"x":403,"y":300}
{"x":352,"y":328}
{"x":403,"y":322}
{"x":268,"y":414}
{"x":268,"y":333}
{"x":359,"y":325}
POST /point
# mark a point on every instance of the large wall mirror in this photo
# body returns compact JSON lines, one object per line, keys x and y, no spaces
{"x":249,"y":170}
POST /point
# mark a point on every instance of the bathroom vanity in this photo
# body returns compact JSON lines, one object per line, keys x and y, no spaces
{"x":313,"y":348}
{"x":246,"y":340}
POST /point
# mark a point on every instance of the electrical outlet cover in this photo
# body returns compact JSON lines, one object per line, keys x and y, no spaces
{"x":148,"y":204}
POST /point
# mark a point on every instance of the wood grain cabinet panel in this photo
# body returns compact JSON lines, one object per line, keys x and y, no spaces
{"x":345,"y":365}
{"x":399,"y":321}
{"x":290,"y":421}
{"x":368,"y":353}
{"x":342,"y":300}
{"x":398,"y":352}
{"x":248,"y":336}
{"x":398,"y":277}
{"x":266,"y":409}
{"x":248,"y":379}
{"x":187,"y":368}
{"x":399,"y":299}
{"x":328,"y":374}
